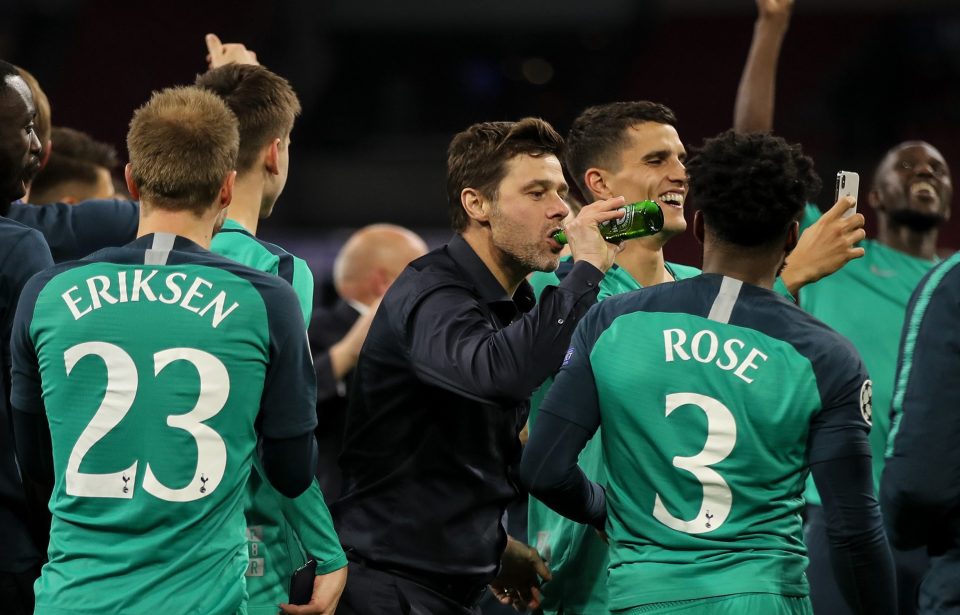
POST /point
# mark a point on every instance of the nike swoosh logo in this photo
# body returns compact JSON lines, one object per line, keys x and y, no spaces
{"x":883,"y":273}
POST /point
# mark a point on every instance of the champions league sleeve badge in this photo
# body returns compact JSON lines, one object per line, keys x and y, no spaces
{"x":866,"y":402}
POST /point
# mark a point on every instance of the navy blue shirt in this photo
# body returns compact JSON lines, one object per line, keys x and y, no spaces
{"x":920,"y":487}
{"x":23,"y":253}
{"x":74,"y":231}
{"x":440,"y":393}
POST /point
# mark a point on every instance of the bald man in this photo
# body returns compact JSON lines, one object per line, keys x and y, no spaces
{"x":364,"y":269}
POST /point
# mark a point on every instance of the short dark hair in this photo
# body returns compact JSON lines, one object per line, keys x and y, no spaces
{"x":477,"y":157}
{"x":76,"y":157}
{"x":264,"y":103}
{"x":751,"y":187}
{"x":599,"y":133}
{"x":183,"y":142}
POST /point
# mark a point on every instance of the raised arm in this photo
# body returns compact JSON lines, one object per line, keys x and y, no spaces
{"x":753,"y":109}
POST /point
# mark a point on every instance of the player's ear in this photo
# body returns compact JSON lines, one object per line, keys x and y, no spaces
{"x":131,"y":184}
{"x":475,"y":204}
{"x":698,"y":230}
{"x":271,"y":159}
{"x":226,"y":190}
{"x":793,"y":236}
{"x":596,"y":181}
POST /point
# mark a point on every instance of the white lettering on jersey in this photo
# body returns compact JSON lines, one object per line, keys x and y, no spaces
{"x":704,"y":347}
{"x":196,"y":299}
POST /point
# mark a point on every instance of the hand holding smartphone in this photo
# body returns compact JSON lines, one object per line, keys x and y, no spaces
{"x":301,"y":583}
{"x":848,"y":184}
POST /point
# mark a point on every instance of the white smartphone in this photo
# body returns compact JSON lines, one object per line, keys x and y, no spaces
{"x":848,"y":184}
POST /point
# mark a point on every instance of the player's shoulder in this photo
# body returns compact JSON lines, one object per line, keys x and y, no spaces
{"x":683,"y":272}
{"x":268,"y":284}
{"x":685,"y":295}
{"x":15,"y":236}
{"x":40,"y":280}
{"x":435,"y":269}
{"x":820,"y":344}
{"x":943,"y":278}
{"x":235,"y":242}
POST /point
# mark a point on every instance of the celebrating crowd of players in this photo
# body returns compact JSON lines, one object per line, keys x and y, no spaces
{"x":162,"y":404}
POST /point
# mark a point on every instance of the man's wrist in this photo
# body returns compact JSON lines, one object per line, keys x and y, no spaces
{"x":342,"y":359}
{"x":795,"y":278}
{"x":770,"y":24}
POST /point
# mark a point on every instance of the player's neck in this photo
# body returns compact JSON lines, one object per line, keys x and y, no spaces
{"x":643,"y":260}
{"x":757,"y":267}
{"x":247,"y":200}
{"x":182,"y":223}
{"x":921,"y":244}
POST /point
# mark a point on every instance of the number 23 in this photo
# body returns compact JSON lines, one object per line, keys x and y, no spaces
{"x":122,"y":382}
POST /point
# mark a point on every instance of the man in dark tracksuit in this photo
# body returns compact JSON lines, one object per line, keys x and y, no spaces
{"x":920,"y":488}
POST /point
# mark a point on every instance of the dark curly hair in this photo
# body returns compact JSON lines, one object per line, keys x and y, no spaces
{"x":599,"y":133}
{"x":750,"y":187}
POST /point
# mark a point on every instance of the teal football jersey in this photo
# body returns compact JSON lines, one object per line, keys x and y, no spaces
{"x":157,"y":364}
{"x":282,"y":532}
{"x":238,"y":244}
{"x":866,"y":302}
{"x":708,"y":391}
{"x":577,"y":557}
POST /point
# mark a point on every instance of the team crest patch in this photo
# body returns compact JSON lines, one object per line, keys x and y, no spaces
{"x":866,"y":402}
{"x":567,"y":357}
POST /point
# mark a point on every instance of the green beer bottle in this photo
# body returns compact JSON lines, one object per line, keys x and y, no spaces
{"x":639,"y":220}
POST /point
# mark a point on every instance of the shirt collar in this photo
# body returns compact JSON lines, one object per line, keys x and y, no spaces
{"x":483,"y":279}
{"x":180,"y":244}
{"x":233,"y":225}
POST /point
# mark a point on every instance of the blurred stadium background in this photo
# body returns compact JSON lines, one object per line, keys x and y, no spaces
{"x":385,"y":83}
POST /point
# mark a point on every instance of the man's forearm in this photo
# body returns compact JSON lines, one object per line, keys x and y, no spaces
{"x":859,"y":551}
{"x":754,"y":106}
{"x":549,"y":470}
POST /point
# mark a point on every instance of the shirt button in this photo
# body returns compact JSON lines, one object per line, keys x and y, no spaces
{"x":590,"y":284}
{"x":559,"y":321}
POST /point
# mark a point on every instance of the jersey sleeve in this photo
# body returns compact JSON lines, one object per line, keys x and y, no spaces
{"x":569,"y":417}
{"x":780,"y":287}
{"x":287,"y":407}
{"x":842,"y":426}
{"x":303,"y":285}
{"x":25,"y":390}
{"x":310,"y":518}
{"x":454,"y":345}
{"x":573,"y":396}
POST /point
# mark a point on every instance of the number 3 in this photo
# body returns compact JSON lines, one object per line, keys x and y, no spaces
{"x":717,"y":497}
{"x":122,"y":380}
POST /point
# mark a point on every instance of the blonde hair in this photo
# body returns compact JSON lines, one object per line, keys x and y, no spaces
{"x":183,"y":142}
